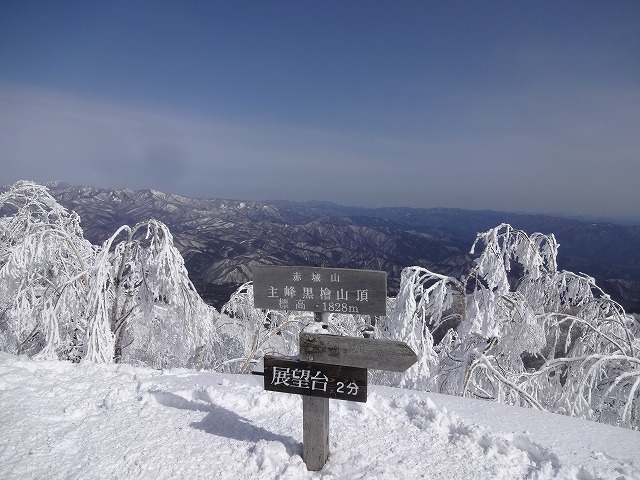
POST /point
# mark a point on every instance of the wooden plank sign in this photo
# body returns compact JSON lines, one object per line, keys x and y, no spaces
{"x":320,"y":289}
{"x":379,"y":354}
{"x":289,"y":375}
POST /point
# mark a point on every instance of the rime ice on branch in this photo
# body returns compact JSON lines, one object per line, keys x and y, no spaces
{"x":130,"y":299}
{"x":44,"y":279}
{"x":528,"y":334}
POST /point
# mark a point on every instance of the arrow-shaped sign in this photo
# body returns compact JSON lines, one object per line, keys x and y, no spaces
{"x":377,"y":354}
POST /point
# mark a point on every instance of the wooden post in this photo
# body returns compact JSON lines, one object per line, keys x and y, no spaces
{"x":315,"y":422}
{"x":315,"y":432}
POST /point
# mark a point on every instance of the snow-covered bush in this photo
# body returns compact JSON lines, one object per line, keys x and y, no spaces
{"x":425,"y":302}
{"x":44,"y":262}
{"x":256,"y":332}
{"x":528,"y":334}
{"x":143,"y":308}
{"x":61,"y":297}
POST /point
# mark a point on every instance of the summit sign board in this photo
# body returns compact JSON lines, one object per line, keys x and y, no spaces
{"x":320,"y":289}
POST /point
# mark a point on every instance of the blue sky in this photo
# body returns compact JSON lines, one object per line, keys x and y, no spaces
{"x":503,"y":105}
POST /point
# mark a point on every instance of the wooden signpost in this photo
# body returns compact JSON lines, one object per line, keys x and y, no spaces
{"x":329,"y":366}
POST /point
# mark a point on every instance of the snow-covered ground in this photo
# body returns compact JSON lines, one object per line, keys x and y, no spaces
{"x":90,"y":421}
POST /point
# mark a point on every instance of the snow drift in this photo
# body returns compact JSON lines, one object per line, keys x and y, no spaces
{"x":73,"y":421}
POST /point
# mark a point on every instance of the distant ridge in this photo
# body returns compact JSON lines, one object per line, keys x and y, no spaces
{"x":220,"y":238}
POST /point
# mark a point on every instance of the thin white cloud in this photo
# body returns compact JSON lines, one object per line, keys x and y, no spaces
{"x":47,"y":134}
{"x":572,"y":151}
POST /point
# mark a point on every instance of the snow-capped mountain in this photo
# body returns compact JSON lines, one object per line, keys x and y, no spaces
{"x":220,"y":238}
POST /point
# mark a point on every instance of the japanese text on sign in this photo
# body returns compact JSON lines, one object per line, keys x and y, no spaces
{"x":283,"y":374}
{"x":320,"y":289}
{"x":301,"y":378}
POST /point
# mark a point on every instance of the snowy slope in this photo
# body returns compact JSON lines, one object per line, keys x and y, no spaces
{"x":90,"y":421}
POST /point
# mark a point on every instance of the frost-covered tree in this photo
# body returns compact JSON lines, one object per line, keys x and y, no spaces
{"x":528,"y":334}
{"x":60,"y":297}
{"x":44,"y":280}
{"x":143,"y":307}
{"x":250,"y":333}
{"x":424,"y":304}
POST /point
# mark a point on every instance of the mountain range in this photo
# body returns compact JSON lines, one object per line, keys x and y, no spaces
{"x":219,"y":239}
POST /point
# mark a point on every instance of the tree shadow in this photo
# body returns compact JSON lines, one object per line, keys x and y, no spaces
{"x":223,"y":422}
